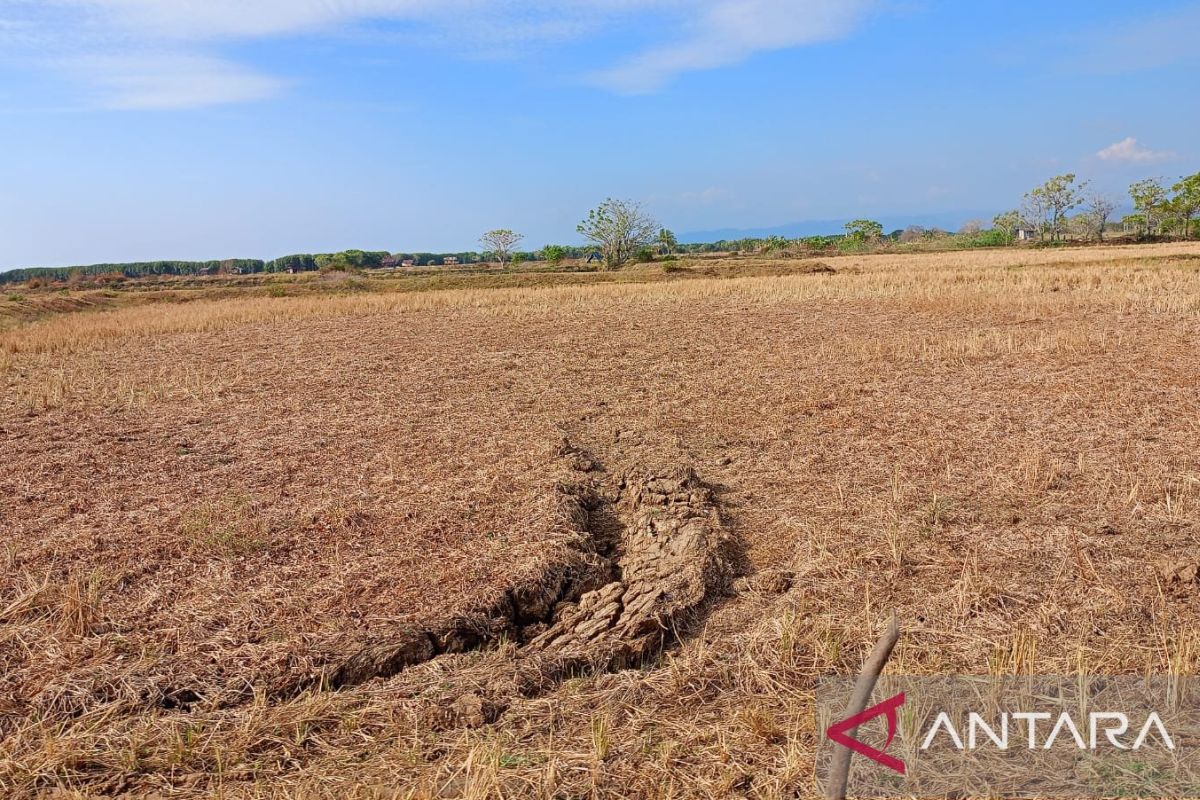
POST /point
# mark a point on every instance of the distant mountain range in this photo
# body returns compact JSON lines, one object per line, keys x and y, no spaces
{"x":950,"y":221}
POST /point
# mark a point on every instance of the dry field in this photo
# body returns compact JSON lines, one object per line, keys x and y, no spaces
{"x":587,"y":540}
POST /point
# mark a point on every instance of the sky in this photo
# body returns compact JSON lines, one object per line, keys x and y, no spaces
{"x":196,"y":129}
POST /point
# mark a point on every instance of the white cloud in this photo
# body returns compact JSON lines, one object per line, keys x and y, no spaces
{"x":167,"y":82}
{"x":730,"y":31}
{"x":218,"y":19}
{"x":1130,"y":152}
{"x":714,"y":33}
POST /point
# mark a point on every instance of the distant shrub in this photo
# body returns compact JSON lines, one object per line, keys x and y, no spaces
{"x":15,"y":298}
{"x":989,"y":238}
{"x":553,"y":254}
{"x":644,"y":255}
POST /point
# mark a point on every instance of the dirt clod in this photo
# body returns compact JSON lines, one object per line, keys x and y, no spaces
{"x":1180,"y":574}
{"x":384,"y":660}
{"x":673,"y":556}
{"x":770,"y":581}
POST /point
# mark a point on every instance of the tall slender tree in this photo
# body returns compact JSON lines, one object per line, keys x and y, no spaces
{"x":1186,"y":202}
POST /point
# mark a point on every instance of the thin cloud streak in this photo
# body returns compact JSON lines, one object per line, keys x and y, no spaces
{"x":731,"y":31}
{"x":1147,"y":42}
{"x":163,"y":82}
{"x":176,"y":65}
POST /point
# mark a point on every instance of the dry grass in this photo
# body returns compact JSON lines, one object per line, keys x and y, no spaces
{"x":202,"y":501}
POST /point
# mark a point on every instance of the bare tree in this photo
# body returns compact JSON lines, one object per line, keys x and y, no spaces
{"x":619,"y":228}
{"x":1080,"y":226}
{"x":971,"y":227}
{"x":1033,"y":211}
{"x":500,"y":242}
{"x":1097,"y":209}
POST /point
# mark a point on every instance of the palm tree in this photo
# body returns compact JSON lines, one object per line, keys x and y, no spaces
{"x":667,"y":242}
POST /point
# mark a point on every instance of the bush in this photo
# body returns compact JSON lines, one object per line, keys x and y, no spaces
{"x":553,"y":254}
{"x":644,"y":256}
{"x":989,"y":238}
{"x":818,"y":244}
{"x":339,"y":266}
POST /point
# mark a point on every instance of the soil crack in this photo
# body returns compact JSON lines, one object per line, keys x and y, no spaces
{"x":650,"y":555}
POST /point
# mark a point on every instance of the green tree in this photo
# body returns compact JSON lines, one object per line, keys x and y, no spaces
{"x":1048,"y":204}
{"x":667,"y":243}
{"x":1149,"y":200}
{"x":864,"y":230}
{"x":553,"y":254}
{"x":1008,"y":222}
{"x":619,"y":228}
{"x":1186,"y":202}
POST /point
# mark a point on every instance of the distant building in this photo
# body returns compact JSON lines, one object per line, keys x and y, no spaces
{"x":1025,"y":234}
{"x":450,"y":261}
{"x":408,"y":262}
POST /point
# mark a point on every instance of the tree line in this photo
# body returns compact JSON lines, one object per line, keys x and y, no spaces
{"x":1063,"y":207}
{"x":620,"y":231}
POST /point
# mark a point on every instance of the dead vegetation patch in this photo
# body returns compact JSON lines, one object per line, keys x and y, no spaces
{"x":350,"y":556}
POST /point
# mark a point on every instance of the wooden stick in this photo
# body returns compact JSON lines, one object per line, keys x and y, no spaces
{"x":839,"y":771}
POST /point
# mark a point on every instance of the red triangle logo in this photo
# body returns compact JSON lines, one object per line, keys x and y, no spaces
{"x":840,"y":732}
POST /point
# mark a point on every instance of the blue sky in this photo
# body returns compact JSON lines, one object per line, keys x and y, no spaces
{"x":140,"y":129}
